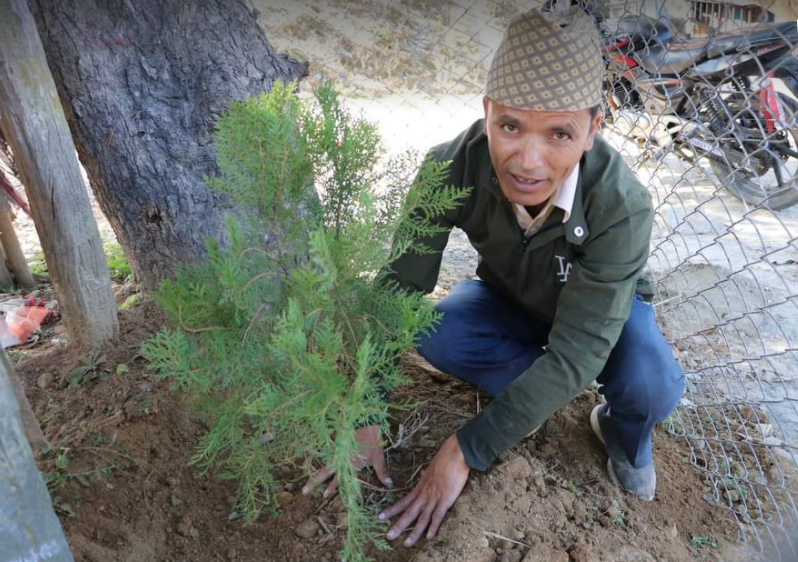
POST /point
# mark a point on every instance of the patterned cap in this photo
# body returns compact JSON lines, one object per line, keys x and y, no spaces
{"x":548,"y":62}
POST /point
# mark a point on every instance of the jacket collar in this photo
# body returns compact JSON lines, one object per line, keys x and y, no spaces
{"x":563,"y":199}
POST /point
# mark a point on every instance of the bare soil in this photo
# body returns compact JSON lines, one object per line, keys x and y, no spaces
{"x":122,"y":486}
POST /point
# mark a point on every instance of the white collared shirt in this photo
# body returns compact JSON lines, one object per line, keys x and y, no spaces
{"x":563,"y":199}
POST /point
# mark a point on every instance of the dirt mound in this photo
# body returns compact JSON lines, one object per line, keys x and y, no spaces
{"x":122,"y":486}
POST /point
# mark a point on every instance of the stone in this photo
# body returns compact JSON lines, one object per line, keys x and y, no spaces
{"x":517,"y":468}
{"x":732,"y":496}
{"x":510,"y":556}
{"x":45,"y":380}
{"x":232,"y":554}
{"x":673,"y":532}
{"x":548,"y":451}
{"x":629,"y":554}
{"x":298,"y":550}
{"x":567,"y":499}
{"x":175,"y":501}
{"x":545,"y":554}
{"x":580,"y":511}
{"x":483,"y":542}
{"x":307,"y":529}
{"x":184,"y":526}
{"x":284,"y":498}
{"x":539,"y":483}
{"x":462,"y":507}
{"x":482,"y":554}
{"x":581,"y":553}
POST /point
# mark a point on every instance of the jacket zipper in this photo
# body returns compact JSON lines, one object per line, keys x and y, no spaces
{"x":525,"y":243}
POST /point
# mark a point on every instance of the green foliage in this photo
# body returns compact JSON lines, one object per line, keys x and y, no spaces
{"x":37,"y":265}
{"x":703,"y":540}
{"x":57,"y":479}
{"x":618,"y":515}
{"x":128,"y":303}
{"x":699,"y":543}
{"x":282,"y":331}
{"x":89,"y":369}
{"x":118,"y":266}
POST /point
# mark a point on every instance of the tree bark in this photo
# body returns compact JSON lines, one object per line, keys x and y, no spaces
{"x":33,"y":431}
{"x":33,"y":123}
{"x":6,"y":279}
{"x":13,"y":251}
{"x":143,"y":83}
{"x":29,"y":528}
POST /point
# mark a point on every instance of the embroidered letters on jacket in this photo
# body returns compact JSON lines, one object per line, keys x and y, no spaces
{"x":565,"y":269}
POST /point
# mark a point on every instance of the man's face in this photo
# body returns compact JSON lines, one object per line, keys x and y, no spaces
{"x":534,"y":151}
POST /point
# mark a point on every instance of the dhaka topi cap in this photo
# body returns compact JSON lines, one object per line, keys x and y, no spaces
{"x":548,"y":61}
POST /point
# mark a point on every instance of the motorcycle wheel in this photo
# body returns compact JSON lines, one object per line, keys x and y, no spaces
{"x":761,"y":188}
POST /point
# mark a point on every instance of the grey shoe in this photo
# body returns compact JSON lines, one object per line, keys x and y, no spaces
{"x":640,"y":482}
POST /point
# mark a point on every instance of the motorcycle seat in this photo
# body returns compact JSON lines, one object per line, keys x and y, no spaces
{"x":752,"y":37}
{"x":674,"y":59}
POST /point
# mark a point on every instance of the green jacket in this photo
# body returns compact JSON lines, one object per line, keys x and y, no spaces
{"x":580,"y":275}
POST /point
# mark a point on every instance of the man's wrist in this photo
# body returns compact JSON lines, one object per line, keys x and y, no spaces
{"x":470,"y":458}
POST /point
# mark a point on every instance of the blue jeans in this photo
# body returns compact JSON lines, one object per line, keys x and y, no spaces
{"x":488,"y":341}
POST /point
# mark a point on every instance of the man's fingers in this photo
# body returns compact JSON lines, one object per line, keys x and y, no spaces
{"x":332,"y":487}
{"x":398,"y":507}
{"x":321,"y":476}
{"x":437,"y":519}
{"x":381,"y":470}
{"x":407,"y":518}
{"x":421,"y":525}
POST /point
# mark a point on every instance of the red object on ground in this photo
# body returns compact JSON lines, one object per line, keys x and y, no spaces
{"x":26,"y":320}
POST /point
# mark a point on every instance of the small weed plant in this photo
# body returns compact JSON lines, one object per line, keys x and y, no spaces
{"x":90,"y":368}
{"x":289,"y":335}
{"x":699,"y":543}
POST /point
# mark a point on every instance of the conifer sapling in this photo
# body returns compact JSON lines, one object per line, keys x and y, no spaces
{"x":288,"y":336}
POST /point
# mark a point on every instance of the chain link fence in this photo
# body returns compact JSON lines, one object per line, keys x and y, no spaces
{"x":701,"y":102}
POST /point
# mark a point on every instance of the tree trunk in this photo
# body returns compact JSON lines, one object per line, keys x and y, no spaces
{"x":29,"y":529}
{"x":33,"y":123}
{"x":6,"y":279}
{"x":13,"y":251}
{"x":143,"y":83}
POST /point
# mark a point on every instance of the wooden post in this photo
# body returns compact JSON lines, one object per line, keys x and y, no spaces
{"x":29,"y":528}
{"x":13,"y":252}
{"x":35,"y":127}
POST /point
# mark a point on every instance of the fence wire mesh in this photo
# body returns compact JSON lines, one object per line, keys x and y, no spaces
{"x":701,"y":102}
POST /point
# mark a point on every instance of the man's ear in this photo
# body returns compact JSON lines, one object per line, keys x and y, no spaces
{"x":591,"y":136}
{"x":486,"y":106}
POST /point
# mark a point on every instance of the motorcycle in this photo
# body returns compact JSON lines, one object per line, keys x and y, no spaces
{"x":713,"y":98}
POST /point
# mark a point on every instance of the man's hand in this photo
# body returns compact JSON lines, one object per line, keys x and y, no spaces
{"x":439,"y":487}
{"x":370,"y":453}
